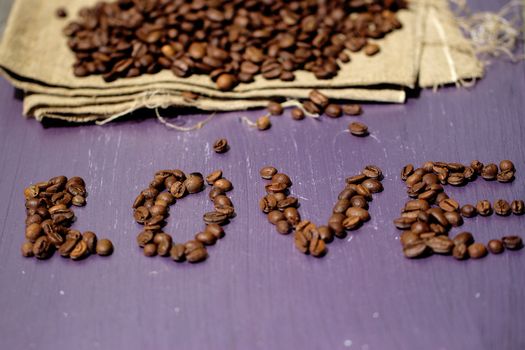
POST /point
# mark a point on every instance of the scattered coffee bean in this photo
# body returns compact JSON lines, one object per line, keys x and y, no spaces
{"x":27,"y":249}
{"x":333,"y":111}
{"x":352,"y":109}
{"x":477,"y":250}
{"x":150,"y":249}
{"x":509,"y":242}
{"x":489,"y":172}
{"x":297,"y":114}
{"x":275,"y":108}
{"x":495,"y":246}
{"x":460,"y":251}
{"x":221,"y":146}
{"x":268,"y":172}
{"x":358,"y":129}
{"x":502,"y":207}
{"x":263,"y":123}
{"x":104,"y":247}
{"x":468,"y":211}
{"x":484,"y":208}
{"x":517,"y":207}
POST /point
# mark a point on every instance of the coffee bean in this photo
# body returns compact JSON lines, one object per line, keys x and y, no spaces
{"x":42,"y":248}
{"x":361,"y":213}
{"x":177,"y":252}
{"x":214,"y":176}
{"x":302,"y":241}
{"x":489,"y":172}
{"x":220,"y":146}
{"x":214,"y":192}
{"x":407,"y":171}
{"x":460,"y":251}
{"x":91,"y":241}
{"x":358,"y":129}
{"x":318,"y":98}
{"x":484,"y":208}
{"x":27,"y":249}
{"x":517,"y":207}
{"x":356,"y":179}
{"x":283,"y":226}
{"x":275,"y":187}
{"x":104,"y":247}
{"x":373,"y":185}
{"x":439,"y":216}
{"x":79,"y":251}
{"x":268,"y":203}
{"x":78,"y":201}
{"x":505,"y":176}
{"x":352,"y":109}
{"x":454,"y":218}
{"x":509,"y":242}
{"x":282,"y":178}
{"x":502,"y":207}
{"x":335,"y":222}
{"x":263,"y":123}
{"x":373,"y":172}
{"x":468,"y":211}
{"x":456,"y":179}
{"x":311,"y":108}
{"x":141,"y":214}
{"x":215,"y":218}
{"x":416,"y":204}
{"x":440,"y":244}
{"x":371,"y":49}
{"x":419,"y":227}
{"x":352,"y":222}
{"x":463,"y":238}
{"x":275,"y":215}
{"x":275,"y":108}
{"x":297,"y":114}
{"x":195,"y":183}
{"x":477,"y":166}
{"x":326,"y":233}
{"x":61,"y":12}
{"x":196,"y":255}
{"x":415,"y":249}
{"x":292,"y":215}
{"x":477,"y":250}
{"x":287,"y":202}
{"x":333,"y":111}
{"x":495,"y":246}
{"x":267,"y":172}
{"x":226,"y":82}
{"x":215,"y":230}
{"x":150,"y":249}
{"x":67,"y":247}
{"x":341,"y":206}
{"x":317,"y":246}
{"x":506,"y":165}
{"x":33,"y":232}
{"x":206,"y":238}
{"x":403,"y":223}
{"x":144,"y":238}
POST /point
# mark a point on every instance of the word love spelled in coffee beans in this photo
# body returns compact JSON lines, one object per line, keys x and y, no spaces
{"x":49,"y":217}
{"x":428,"y":217}
{"x":349,"y":212}
{"x":230,"y":41}
{"x":152,"y":205}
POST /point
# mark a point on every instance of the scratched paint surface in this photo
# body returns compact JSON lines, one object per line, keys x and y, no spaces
{"x":256,"y":291}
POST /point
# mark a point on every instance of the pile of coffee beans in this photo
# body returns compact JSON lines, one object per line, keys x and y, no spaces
{"x":349,"y":212}
{"x":152,"y":205}
{"x":428,"y":217}
{"x":49,"y":217}
{"x":231,"y":41}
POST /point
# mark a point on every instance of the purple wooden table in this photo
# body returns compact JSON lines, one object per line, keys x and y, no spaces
{"x":256,"y":291}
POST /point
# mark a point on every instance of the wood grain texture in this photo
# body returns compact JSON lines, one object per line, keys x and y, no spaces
{"x":256,"y":291}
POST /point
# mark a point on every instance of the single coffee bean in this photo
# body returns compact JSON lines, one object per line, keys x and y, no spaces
{"x":407,"y":171}
{"x":194,"y":183}
{"x":505,"y":176}
{"x":206,"y":238}
{"x":275,"y":108}
{"x":158,"y":210}
{"x":215,"y":218}
{"x":177,"y":252}
{"x":438,"y":229}
{"x":267,"y":172}
{"x":372,"y":172}
{"x":358,"y":129}
{"x":283,"y":227}
{"x":477,"y":250}
{"x":104,"y":247}
{"x":220,"y":146}
{"x":361,"y":213}
{"x":178,"y":189}
{"x":468,"y":211}
{"x":404,"y":223}
{"x":292,"y":215}
{"x":33,"y":231}
{"x":214,"y":192}
{"x":416,"y":204}
{"x":317,"y":246}
{"x":347,"y":193}
{"x":453,"y":218}
{"x":419,"y":227}
{"x":78,"y":201}
{"x":318,"y":98}
{"x":477,"y":166}
{"x":42,"y":248}
{"x":215,"y":230}
{"x":408,"y":237}
{"x":517,"y":207}
{"x":297,"y":114}
{"x":440,"y":244}
{"x":439,"y":216}
{"x":352,"y":109}
{"x":489,"y":172}
{"x":141,"y":214}
{"x":335,"y":222}
{"x":469,"y":174}
{"x":364,"y":192}
{"x":456,"y":179}
{"x":268,"y":203}
{"x":484,"y":208}
{"x":91,"y":241}
{"x":150,"y":249}
{"x":27,"y":249}
{"x":144,"y":238}
{"x":302,"y":241}
{"x":373,"y":185}
{"x":460,"y":251}
{"x":413,"y":179}
{"x":352,"y":222}
{"x":506,"y":165}
{"x":495,"y":246}
{"x":333,"y":111}
{"x":463,"y":238}
{"x":214,"y":176}
{"x":67,"y":247}
{"x":223,"y":184}
{"x":80,"y":251}
{"x":139,"y":201}
{"x":311,"y":108}
{"x":226,"y":82}
{"x":415,"y":250}
{"x":263,"y":123}
{"x":287,"y":202}
{"x":274,"y":216}
{"x":197,"y":255}
{"x":326,"y":233}
{"x":282,"y":178}
{"x":222,"y":201}
{"x":356,"y":179}
{"x":502,"y":207}
{"x":509,"y":242}
{"x":371,"y":49}
{"x":341,"y":206}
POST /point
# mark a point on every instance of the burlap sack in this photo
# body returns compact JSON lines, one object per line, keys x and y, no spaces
{"x":38,"y":54}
